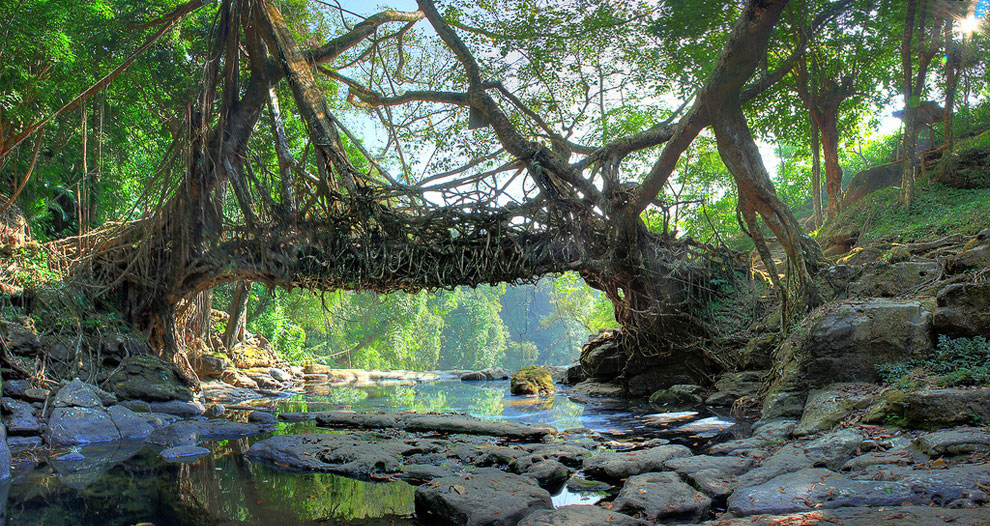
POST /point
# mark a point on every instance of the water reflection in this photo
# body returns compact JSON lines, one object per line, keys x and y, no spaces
{"x":222,"y":488}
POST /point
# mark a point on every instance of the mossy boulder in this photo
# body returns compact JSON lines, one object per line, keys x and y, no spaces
{"x":845,"y":342}
{"x":146,"y":377}
{"x":931,"y":408}
{"x":677,"y":396}
{"x":531,"y":380}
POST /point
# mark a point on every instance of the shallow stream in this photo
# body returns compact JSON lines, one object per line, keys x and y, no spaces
{"x":127,"y":483}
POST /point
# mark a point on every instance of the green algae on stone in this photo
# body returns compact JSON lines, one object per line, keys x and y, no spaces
{"x":532,"y":380}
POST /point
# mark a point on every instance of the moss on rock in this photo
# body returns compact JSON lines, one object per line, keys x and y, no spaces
{"x":532,"y":380}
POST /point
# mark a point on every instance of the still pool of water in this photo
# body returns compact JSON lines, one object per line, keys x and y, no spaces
{"x":127,"y":483}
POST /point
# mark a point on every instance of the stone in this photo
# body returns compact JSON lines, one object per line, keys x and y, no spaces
{"x":420,"y":473}
{"x":548,"y":473}
{"x":845,"y":342}
{"x":178,"y":408}
{"x":279,"y":375}
{"x":771,"y":431}
{"x":184,"y":453}
{"x":130,"y":424}
{"x":818,"y":488}
{"x":738,"y":384}
{"x":579,"y":515}
{"x":210,"y":365}
{"x":188,"y":433}
{"x":577,"y":484}
{"x":24,"y":390}
{"x":78,"y":394}
{"x":958,"y":441}
{"x":931,"y":408}
{"x":884,"y":280}
{"x":262,"y":417}
{"x":69,"y":426}
{"x":138,"y":406}
{"x":613,"y":466}
{"x":963,"y":310}
{"x":713,"y":475}
{"x":662,"y":496}
{"x":442,"y":422}
{"x":784,"y":404}
{"x":214,"y":411}
{"x":976,"y":256}
{"x":833,"y":449}
{"x":4,"y":454}
{"x":485,"y":498}
{"x":677,"y":396}
{"x":593,"y":388}
{"x":147,"y":377}
{"x":885,"y":516}
{"x":603,"y":358}
{"x":476,"y":376}
{"x":531,"y":380}
{"x":22,"y":443}
{"x":827,"y":407}
{"x":334,"y":453}
{"x":574,"y":374}
{"x":20,"y":417}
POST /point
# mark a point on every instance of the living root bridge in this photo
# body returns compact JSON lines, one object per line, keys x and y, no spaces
{"x":382,"y":252}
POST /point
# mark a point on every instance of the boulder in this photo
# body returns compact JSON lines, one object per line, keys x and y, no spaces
{"x":4,"y":454}
{"x":958,"y":441}
{"x":975,"y":255}
{"x":677,"y":396}
{"x":211,"y":365}
{"x":532,"y":380}
{"x":827,"y":407}
{"x":888,"y":485}
{"x":884,"y":280}
{"x":734,"y":385}
{"x":963,"y":310}
{"x":80,"y":394}
{"x":604,"y":357}
{"x":574,"y":374}
{"x":844,"y":343}
{"x":579,"y":515}
{"x":662,"y":496}
{"x":263,"y":417}
{"x":486,"y":498}
{"x":146,"y":377}
{"x":613,"y":466}
{"x":188,"y":433}
{"x":931,"y":408}
{"x":548,"y":473}
{"x":851,"y":516}
{"x":239,"y":379}
{"x":713,"y":475}
{"x":69,"y":426}
{"x":280,"y":375}
{"x":130,"y":424}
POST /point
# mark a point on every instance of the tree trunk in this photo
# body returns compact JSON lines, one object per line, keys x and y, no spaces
{"x":742,"y":157}
{"x":237,"y":320}
{"x":951,"y":80}
{"x":909,"y":144}
{"x":828,"y":122}
{"x":816,"y":171}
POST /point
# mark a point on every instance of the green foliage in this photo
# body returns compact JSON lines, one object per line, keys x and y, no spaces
{"x":955,"y":362}
{"x":936,"y":211}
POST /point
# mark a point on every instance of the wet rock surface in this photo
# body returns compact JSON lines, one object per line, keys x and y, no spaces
{"x":579,"y":515}
{"x":488,"y":497}
{"x":661,"y":496}
{"x":615,"y":465}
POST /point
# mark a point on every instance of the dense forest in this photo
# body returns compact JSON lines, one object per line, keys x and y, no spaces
{"x":665,"y":259}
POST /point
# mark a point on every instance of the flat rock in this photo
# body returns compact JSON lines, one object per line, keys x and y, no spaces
{"x":816,"y":488}
{"x":486,"y":498}
{"x":130,"y":424}
{"x":579,"y":515}
{"x":184,"y":453}
{"x":881,"y":516}
{"x":614,"y":466}
{"x":441,"y":423}
{"x":20,"y":419}
{"x":188,"y":433}
{"x":661,"y":496}
{"x":333,"y":453}
{"x":959,"y":441}
{"x":178,"y":408}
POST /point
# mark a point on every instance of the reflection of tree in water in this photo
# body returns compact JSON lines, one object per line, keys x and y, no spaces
{"x":227,"y":488}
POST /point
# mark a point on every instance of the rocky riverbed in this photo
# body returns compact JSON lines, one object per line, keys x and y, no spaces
{"x":446,"y":468}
